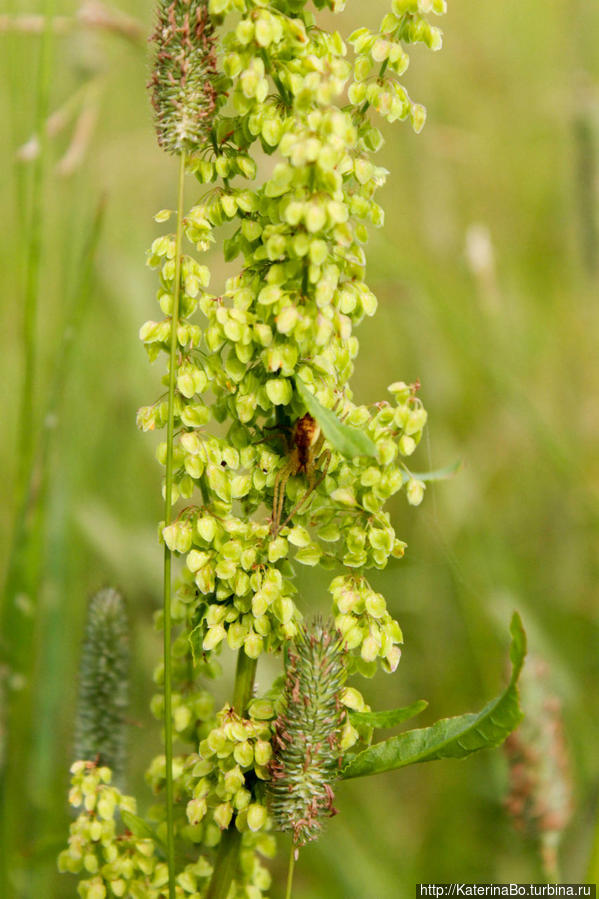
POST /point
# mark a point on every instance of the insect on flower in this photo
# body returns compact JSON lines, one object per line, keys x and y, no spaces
{"x":307,"y":457}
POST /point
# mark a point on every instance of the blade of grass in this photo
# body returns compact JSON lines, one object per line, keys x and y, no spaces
{"x":33,"y":255}
{"x":31,"y":633}
{"x":9,"y":793}
{"x":49,"y":547}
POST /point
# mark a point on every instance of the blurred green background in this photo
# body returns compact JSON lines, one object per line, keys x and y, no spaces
{"x":487,"y":274}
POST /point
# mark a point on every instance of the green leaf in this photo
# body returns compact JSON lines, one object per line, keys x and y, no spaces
{"x":441,"y":474}
{"x":346,"y":440}
{"x":196,"y":638}
{"x":451,"y":737}
{"x":389,"y":718}
{"x":140,"y":828}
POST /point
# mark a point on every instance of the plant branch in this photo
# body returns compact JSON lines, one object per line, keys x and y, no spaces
{"x":244,"y":682}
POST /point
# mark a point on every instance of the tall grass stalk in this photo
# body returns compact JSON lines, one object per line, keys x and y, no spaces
{"x":168,"y":508}
{"x":19,"y":706}
{"x":31,"y":634}
{"x":51,"y":558}
{"x":586,"y":180}
{"x":33,"y":255}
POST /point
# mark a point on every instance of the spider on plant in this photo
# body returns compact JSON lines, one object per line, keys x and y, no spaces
{"x":306,"y":457}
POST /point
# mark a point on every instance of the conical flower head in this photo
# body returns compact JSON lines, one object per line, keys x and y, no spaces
{"x":307,"y":734}
{"x":183,"y":82}
{"x":103,"y":683}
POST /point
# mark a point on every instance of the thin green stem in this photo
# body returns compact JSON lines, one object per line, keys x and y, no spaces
{"x":168,"y":506}
{"x":244,"y":681}
{"x":33,"y":253}
{"x":290,"y":872}
{"x":228,"y":852}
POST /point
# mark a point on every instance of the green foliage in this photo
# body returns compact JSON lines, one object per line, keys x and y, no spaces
{"x":453,"y":738}
{"x":103,"y":684}
{"x":348,"y":441}
{"x":389,"y":718}
{"x":138,"y":826}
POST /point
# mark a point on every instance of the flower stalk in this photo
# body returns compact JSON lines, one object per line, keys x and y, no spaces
{"x":168,"y":508}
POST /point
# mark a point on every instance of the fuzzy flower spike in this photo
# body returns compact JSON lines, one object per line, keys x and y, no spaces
{"x":307,"y":735}
{"x":183,"y":82}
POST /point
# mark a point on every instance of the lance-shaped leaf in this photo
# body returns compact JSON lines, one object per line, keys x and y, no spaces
{"x":453,"y":738}
{"x":141,"y":829}
{"x":440,"y":474}
{"x":390,"y":718}
{"x":345,"y":439}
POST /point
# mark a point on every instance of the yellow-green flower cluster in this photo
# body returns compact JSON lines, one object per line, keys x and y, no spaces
{"x":234,"y":748}
{"x":381,"y":58}
{"x":288,"y":315}
{"x":275,"y":83}
{"x":362,"y":617}
{"x":112,"y":863}
{"x":234,"y":582}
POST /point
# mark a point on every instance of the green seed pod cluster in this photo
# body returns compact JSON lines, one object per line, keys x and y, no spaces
{"x":184,"y":77}
{"x":103,"y":683}
{"x":233,"y":749}
{"x":307,"y":739}
{"x":257,"y":367}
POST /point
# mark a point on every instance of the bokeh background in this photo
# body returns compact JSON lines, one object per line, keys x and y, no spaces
{"x":487,"y":276}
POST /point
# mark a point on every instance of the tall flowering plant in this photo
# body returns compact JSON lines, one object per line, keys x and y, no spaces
{"x":270,"y":463}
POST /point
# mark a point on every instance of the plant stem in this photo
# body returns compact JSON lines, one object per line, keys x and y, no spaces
{"x":244,"y":681}
{"x":168,"y":496}
{"x":290,"y":872}
{"x":228,"y":851}
{"x":33,"y":254}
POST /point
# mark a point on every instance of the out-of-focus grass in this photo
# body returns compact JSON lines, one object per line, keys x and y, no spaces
{"x":502,"y":336}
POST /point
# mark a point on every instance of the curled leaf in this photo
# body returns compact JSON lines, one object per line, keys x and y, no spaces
{"x":345,"y":439}
{"x":451,"y":737}
{"x":389,"y":718}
